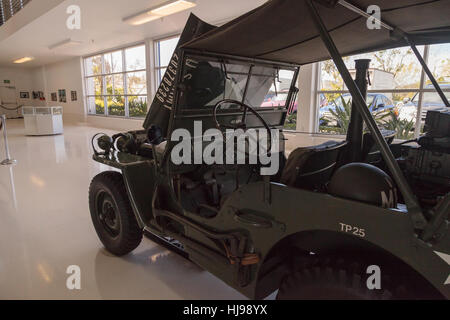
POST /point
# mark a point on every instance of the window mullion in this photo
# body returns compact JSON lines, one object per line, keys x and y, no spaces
{"x":150,"y":70}
{"x":113,"y":85}
{"x":317,"y":89}
{"x":125,"y":84}
{"x":158,"y":66}
{"x":105,"y":99}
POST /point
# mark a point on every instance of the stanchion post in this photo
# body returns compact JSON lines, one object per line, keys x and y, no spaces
{"x":8,"y":160}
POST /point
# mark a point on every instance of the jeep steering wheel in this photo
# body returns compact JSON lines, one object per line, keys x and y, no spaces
{"x":242,"y":124}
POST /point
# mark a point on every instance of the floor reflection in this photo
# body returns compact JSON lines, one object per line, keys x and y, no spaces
{"x":159,"y":273}
{"x":13,"y":187}
{"x":45,"y":226}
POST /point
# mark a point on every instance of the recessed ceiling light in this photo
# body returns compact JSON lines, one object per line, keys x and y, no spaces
{"x":165,"y":9}
{"x":23,"y":60}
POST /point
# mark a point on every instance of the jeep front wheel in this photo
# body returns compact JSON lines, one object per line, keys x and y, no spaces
{"x":112,"y":215}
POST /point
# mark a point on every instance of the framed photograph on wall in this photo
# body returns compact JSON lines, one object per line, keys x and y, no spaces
{"x":24,"y":95}
{"x":62,"y":95}
{"x":73,"y":95}
{"x":54,"y":96}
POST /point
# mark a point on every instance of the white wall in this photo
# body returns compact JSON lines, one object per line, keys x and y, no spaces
{"x":21,"y":79}
{"x":38,"y":84}
{"x":62,"y":75}
{"x":50,"y":78}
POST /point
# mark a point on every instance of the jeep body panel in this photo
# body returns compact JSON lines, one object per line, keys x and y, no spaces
{"x":267,"y":219}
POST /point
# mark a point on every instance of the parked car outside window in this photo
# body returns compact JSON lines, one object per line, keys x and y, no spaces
{"x":431,"y":101}
{"x":377,"y":103}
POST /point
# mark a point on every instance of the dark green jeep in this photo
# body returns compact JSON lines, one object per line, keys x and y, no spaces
{"x":363,"y":218}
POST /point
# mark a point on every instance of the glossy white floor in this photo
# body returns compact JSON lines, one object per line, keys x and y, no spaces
{"x":45,"y":226}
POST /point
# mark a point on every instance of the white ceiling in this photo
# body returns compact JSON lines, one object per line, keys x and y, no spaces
{"x":102,"y":27}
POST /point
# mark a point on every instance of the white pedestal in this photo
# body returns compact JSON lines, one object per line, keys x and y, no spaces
{"x":43,"y":120}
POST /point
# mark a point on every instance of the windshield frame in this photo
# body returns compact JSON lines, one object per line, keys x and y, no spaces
{"x":181,"y":110}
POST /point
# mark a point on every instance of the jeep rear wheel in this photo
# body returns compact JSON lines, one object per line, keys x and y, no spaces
{"x":112,"y":215}
{"x":333,"y":280}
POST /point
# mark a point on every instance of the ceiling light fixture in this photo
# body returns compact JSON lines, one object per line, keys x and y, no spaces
{"x":165,"y":9}
{"x":65,"y":43}
{"x":23,"y":60}
{"x":172,"y":7}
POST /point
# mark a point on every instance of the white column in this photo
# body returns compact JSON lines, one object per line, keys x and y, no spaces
{"x":307,"y":98}
{"x":45,"y":89}
{"x":83,"y":93}
{"x":151,"y":79}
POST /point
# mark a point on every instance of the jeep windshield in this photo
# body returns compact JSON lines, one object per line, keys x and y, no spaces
{"x":207,"y":81}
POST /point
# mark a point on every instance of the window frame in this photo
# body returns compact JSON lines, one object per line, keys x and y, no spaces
{"x":418,"y":92}
{"x":124,"y":74}
{"x":157,"y":67}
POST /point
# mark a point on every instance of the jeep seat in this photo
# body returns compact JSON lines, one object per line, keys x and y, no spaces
{"x":311,"y":167}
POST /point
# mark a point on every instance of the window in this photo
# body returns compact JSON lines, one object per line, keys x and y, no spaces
{"x":163,"y":53}
{"x":439,"y":62}
{"x":395,"y":94}
{"x":116,"y":83}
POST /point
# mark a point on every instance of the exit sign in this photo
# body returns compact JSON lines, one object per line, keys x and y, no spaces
{"x":6,"y":81}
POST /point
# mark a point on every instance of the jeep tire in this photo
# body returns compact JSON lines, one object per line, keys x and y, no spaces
{"x":112,"y":215}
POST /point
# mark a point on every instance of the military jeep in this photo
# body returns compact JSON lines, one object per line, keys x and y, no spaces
{"x":330,"y":216}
